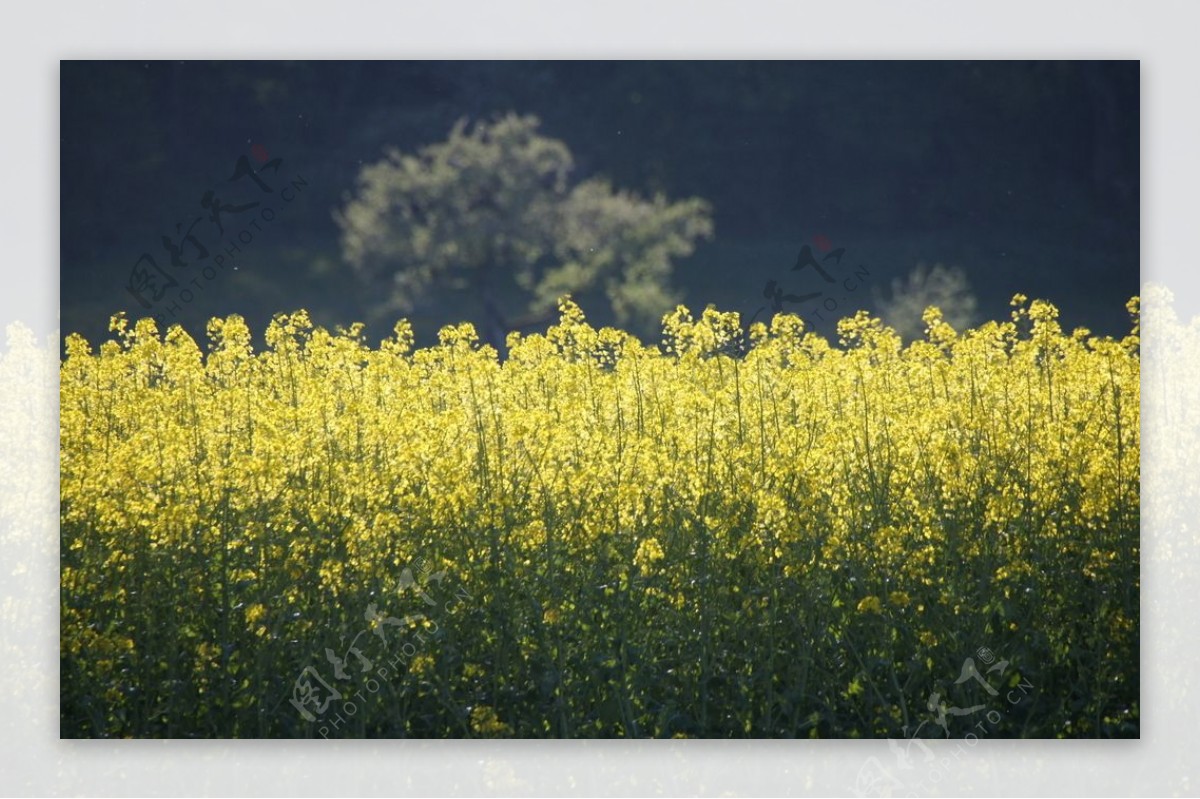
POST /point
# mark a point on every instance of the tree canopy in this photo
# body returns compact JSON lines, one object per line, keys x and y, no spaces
{"x":491,"y":213}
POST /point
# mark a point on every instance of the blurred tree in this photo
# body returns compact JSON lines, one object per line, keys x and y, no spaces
{"x":944,"y":288}
{"x":490,"y":212}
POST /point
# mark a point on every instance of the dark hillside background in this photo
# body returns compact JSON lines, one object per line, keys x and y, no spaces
{"x":1024,"y":175}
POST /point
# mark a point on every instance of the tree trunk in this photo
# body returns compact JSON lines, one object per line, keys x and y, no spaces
{"x":495,"y":323}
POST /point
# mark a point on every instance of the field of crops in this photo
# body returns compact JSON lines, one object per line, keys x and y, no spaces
{"x":726,"y":535}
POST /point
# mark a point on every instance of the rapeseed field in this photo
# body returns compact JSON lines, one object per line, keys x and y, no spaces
{"x":729,"y":533}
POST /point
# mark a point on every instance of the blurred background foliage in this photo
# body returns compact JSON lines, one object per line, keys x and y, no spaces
{"x":489,"y":213}
{"x":1023,"y":175}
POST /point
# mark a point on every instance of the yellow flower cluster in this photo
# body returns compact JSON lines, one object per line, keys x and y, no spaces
{"x":658,"y":541}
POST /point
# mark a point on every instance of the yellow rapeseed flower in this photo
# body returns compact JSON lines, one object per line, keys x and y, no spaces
{"x":870,"y":604}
